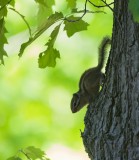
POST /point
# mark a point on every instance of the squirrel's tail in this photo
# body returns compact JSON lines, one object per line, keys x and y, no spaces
{"x":102,"y":52}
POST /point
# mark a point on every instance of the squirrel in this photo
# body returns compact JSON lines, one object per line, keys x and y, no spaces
{"x":90,"y":80}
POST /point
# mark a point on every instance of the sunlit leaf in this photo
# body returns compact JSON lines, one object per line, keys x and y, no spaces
{"x":71,"y":3}
{"x":4,"y":2}
{"x":48,"y":57}
{"x":34,"y":153}
{"x":45,"y":10}
{"x":50,"y":21}
{"x":41,"y":2}
{"x":3,"y":40}
{"x":14,"y":158}
{"x":46,"y":2}
{"x":43,"y":13}
{"x":3,"y":12}
{"x":134,"y":7}
{"x":12,"y":2}
{"x":50,"y":2}
{"x":73,"y":27}
{"x":53,"y":36}
{"x":24,"y":45}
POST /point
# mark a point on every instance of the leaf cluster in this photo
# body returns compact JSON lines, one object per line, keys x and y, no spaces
{"x":50,"y":54}
{"x":3,"y":31}
{"x":31,"y":153}
{"x":47,"y":18}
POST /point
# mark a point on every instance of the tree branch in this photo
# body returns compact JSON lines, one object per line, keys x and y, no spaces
{"x":84,"y":13}
{"x":88,"y":11}
{"x":106,"y":5}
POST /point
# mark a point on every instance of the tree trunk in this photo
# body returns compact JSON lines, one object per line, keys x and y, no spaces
{"x":112,"y":121}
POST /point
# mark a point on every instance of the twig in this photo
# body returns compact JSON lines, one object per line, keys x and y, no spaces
{"x":104,"y":1}
{"x":23,"y":17}
{"x":25,"y":154}
{"x":88,"y":11}
{"x":100,"y":6}
{"x":84,"y":13}
{"x":85,"y":10}
{"x":107,"y":5}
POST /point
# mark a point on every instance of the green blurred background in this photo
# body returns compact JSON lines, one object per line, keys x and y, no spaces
{"x":35,"y":103}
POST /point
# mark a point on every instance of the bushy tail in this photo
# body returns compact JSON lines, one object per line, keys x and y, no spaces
{"x":102,"y":52}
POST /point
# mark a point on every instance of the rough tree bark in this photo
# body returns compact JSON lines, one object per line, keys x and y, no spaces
{"x":112,"y":122}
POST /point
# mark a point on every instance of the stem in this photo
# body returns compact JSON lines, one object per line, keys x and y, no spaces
{"x":23,"y":17}
{"x":106,"y":5}
{"x":25,"y":154}
{"x":85,"y":11}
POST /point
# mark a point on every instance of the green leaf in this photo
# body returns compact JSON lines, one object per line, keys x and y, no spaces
{"x":48,"y":57}
{"x":71,"y":3}
{"x":43,"y":13}
{"x":134,"y":7}
{"x":50,"y":21}
{"x":50,"y":3}
{"x":53,"y":36}
{"x":24,"y":46}
{"x":3,"y":7}
{"x":12,"y":3}
{"x":3,"y":40}
{"x":4,"y":2}
{"x":73,"y":27}
{"x":3,"y":12}
{"x":46,"y":2}
{"x":34,"y":153}
{"x":14,"y":158}
{"x":45,"y":10}
{"x":41,"y":2}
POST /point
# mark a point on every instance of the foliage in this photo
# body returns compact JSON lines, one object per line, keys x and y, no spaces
{"x":3,"y":40}
{"x":71,"y":3}
{"x":48,"y":57}
{"x":47,"y":17}
{"x":3,"y":14}
{"x":72,"y":28}
{"x":134,"y":7}
{"x":31,"y":153}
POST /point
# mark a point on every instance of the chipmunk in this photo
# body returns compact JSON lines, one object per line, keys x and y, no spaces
{"x":90,"y":80}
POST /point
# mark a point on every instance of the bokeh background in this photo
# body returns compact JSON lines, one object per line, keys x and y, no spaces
{"x":34,"y":102}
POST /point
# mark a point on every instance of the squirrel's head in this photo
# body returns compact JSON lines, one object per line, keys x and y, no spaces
{"x":79,"y":100}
